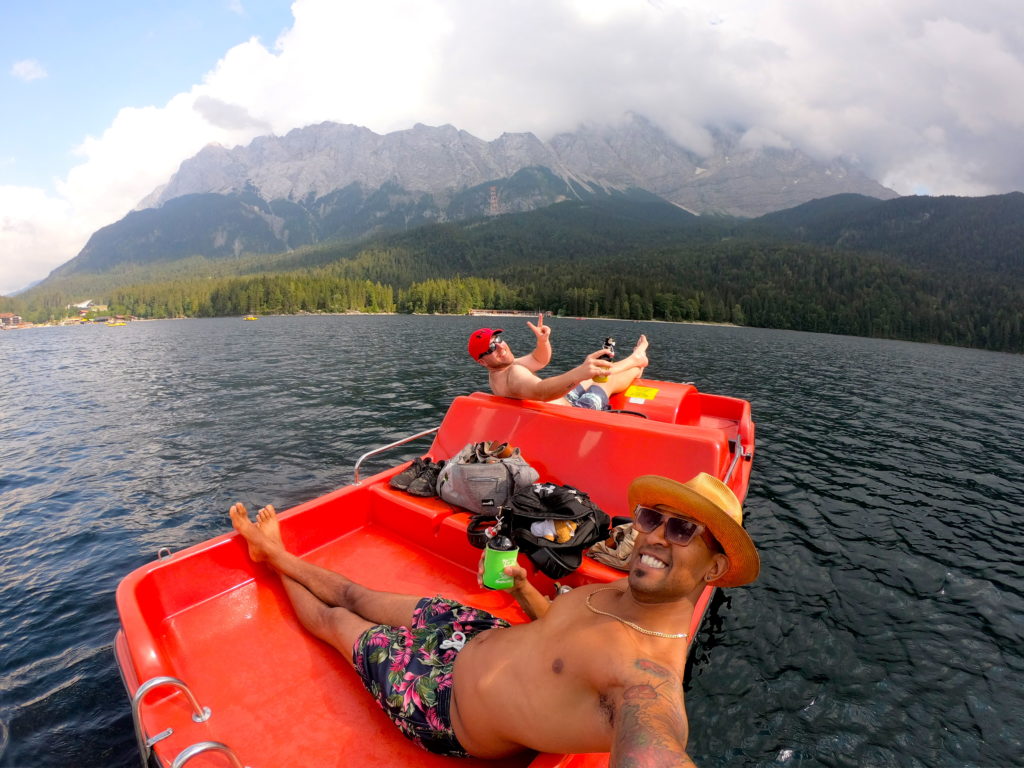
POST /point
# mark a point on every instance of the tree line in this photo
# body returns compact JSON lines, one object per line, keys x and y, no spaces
{"x":585,"y":267}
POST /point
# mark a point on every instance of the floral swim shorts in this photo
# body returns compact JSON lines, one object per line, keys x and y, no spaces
{"x":408,"y":670}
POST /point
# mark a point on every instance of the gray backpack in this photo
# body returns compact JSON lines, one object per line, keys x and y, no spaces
{"x":484,"y":476}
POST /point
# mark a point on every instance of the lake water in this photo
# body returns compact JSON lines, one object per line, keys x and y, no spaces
{"x":887,"y":628}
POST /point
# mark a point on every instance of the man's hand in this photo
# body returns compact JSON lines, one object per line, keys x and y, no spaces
{"x":517,"y":572}
{"x":519,"y":580}
{"x":595,"y":364}
{"x":533,"y":603}
{"x":541,"y":354}
{"x":541,"y":331}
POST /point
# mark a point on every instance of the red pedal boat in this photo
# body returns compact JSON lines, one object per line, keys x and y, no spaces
{"x":220,"y":672}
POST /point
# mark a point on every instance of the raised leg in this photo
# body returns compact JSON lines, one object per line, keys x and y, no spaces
{"x":625,"y":371}
{"x":329,"y":588}
{"x":637,"y":359}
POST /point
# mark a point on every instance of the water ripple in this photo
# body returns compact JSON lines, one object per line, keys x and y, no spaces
{"x":885,"y":629}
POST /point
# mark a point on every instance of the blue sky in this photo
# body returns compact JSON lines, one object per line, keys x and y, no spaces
{"x":102,"y":101}
{"x":101,"y":56}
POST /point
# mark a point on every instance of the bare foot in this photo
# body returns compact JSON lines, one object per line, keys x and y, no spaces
{"x":266,"y":521}
{"x":262,"y":544}
{"x":639,"y":354}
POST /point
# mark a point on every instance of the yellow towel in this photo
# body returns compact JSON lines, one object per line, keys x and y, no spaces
{"x":564,"y":530}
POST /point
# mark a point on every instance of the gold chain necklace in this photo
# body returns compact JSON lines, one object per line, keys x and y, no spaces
{"x":627,"y":622}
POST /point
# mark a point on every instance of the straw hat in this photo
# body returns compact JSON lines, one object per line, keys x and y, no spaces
{"x":707,"y":500}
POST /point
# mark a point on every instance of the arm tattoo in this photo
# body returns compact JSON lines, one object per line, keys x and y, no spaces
{"x":651,"y":724}
{"x":646,"y":665}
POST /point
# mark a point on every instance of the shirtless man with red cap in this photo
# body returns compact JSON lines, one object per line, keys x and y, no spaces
{"x":516,"y":377}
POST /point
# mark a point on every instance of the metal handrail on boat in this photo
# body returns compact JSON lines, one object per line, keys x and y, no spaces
{"x":375,"y":451}
{"x":200,"y":714}
{"x":737,"y":454}
{"x":206,"y":746}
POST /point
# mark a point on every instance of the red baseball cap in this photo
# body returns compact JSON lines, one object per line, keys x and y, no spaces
{"x":480,"y":340}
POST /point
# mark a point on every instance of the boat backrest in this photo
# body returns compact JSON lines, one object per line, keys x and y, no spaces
{"x":665,"y":401}
{"x":599,"y":453}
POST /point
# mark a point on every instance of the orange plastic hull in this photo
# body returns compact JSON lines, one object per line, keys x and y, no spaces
{"x":280,"y":698}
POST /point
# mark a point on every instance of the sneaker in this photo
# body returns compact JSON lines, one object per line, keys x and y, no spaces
{"x":425,"y":483}
{"x":499,"y":450}
{"x":402,"y":479}
{"x":488,"y":453}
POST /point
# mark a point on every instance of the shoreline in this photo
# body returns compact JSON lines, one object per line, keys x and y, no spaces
{"x":376,"y":314}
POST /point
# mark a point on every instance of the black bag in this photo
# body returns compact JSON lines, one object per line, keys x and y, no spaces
{"x":557,"y":503}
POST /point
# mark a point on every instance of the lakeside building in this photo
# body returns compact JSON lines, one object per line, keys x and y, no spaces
{"x":507,"y":313}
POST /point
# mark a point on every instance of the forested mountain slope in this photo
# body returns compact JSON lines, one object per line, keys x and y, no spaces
{"x":943,"y":270}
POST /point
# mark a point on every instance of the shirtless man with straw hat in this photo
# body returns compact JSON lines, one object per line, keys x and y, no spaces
{"x":598,"y":669}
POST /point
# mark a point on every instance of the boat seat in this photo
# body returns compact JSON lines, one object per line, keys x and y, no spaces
{"x":414,"y":517}
{"x":433,"y":523}
{"x":598,"y":453}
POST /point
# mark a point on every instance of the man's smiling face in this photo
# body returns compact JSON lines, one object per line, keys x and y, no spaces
{"x":500,"y":357}
{"x":661,"y":570}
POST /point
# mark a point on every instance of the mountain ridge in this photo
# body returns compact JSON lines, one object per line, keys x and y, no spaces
{"x":225,"y":225}
{"x":314,"y":160}
{"x":337,"y":181}
{"x":938,"y":232}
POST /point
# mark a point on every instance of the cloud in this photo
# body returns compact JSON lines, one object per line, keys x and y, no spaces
{"x":28,"y":70}
{"x":228,"y":116}
{"x":924,"y":94}
{"x":36,"y":230}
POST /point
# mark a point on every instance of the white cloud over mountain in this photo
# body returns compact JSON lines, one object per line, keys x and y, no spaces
{"x":923,"y":93}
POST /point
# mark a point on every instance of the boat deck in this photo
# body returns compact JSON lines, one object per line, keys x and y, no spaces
{"x":277,"y":696}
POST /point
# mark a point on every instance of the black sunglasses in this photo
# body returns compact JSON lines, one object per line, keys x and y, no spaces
{"x":678,"y":530}
{"x":495,"y":341}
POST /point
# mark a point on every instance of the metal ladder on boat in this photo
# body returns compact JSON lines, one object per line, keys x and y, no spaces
{"x":206,"y":746}
{"x":200,"y":714}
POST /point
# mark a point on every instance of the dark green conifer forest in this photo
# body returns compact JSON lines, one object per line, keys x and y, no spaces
{"x":638,"y":262}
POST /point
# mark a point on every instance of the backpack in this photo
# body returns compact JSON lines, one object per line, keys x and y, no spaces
{"x":557,"y":556}
{"x":484,"y":476}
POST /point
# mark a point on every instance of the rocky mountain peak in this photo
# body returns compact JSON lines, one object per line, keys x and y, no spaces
{"x":738,"y":177}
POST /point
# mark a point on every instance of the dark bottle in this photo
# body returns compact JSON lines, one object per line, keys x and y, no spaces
{"x":609,"y":354}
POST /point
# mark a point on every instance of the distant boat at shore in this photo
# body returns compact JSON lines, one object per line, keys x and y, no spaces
{"x":250,"y":317}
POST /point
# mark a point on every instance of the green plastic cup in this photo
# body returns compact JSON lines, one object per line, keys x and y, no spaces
{"x":498,"y":555}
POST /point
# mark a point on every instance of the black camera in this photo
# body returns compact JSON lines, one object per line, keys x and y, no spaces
{"x":609,"y":347}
